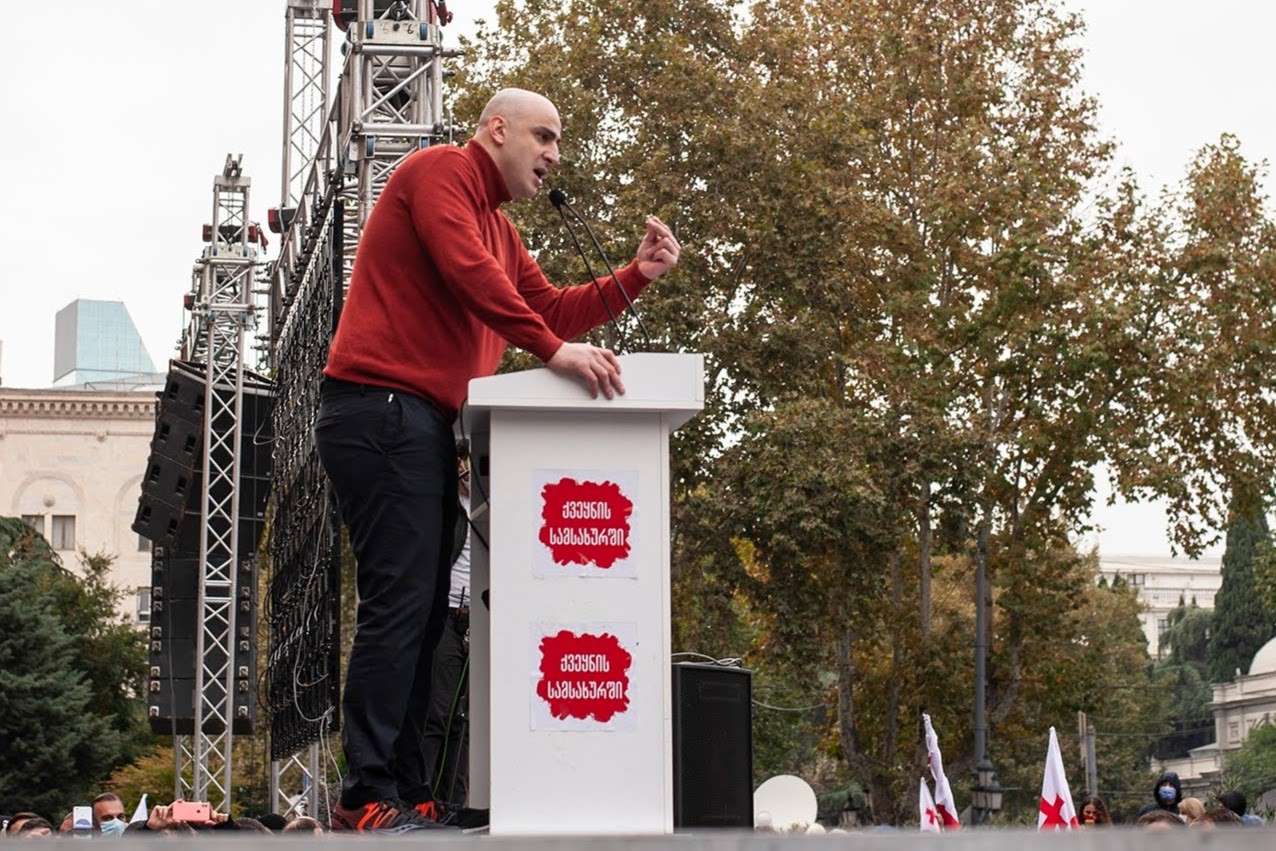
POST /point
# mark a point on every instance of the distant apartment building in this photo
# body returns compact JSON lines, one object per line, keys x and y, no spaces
{"x":1162,"y":583}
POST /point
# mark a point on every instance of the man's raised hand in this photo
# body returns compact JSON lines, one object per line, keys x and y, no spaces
{"x":659,"y":250}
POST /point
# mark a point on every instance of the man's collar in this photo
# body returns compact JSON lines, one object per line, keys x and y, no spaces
{"x":493,"y":182}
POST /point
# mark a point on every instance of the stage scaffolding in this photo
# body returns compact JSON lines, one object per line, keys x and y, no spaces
{"x":337,"y":156}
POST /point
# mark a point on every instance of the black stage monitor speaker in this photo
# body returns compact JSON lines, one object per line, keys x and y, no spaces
{"x":712,"y":746}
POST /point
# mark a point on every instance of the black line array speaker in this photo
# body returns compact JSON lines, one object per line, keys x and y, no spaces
{"x":170,"y":515}
{"x":712,"y":746}
{"x":176,"y":451}
{"x":172,"y":484}
{"x":174,"y":632}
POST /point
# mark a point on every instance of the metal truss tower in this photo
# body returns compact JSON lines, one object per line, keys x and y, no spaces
{"x":308,"y":32}
{"x":388,"y":104}
{"x":222,"y":316}
{"x":295,"y":780}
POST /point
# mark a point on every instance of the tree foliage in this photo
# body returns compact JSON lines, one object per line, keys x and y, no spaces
{"x":70,"y":675}
{"x":929,"y":312}
{"x":1252,"y":769}
{"x":1241,"y":623}
{"x":1184,"y":671}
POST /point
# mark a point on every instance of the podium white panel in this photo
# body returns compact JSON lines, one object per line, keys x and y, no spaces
{"x":571,"y":727}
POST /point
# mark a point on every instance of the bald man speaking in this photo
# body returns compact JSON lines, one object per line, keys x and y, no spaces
{"x":442,"y":283}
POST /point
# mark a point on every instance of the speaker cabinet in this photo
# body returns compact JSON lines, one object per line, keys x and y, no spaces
{"x":712,"y":746}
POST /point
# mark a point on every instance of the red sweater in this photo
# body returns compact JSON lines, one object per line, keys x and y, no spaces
{"x":442,"y":282}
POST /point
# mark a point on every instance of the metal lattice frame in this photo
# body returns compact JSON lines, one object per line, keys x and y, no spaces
{"x":221,"y":316}
{"x":308,"y":28}
{"x":388,"y":104}
{"x":305,"y":636}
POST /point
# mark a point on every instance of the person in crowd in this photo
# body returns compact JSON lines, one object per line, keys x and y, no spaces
{"x":1235,"y":801}
{"x":303,"y":824}
{"x":1094,"y":813}
{"x":1191,"y":809}
{"x":1159,"y":819}
{"x":35,"y":828}
{"x":68,"y":825}
{"x":274,"y":822}
{"x":109,"y":815}
{"x":1166,"y":794}
{"x":1220,"y":816}
{"x":17,"y":820}
{"x":253,"y":825}
{"x":442,"y":284}
{"x":160,"y":820}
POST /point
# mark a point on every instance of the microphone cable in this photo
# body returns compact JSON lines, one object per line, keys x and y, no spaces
{"x":558,"y":198}
{"x":642,"y":326}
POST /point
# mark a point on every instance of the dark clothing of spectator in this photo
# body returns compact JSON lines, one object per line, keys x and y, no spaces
{"x":1162,"y":797}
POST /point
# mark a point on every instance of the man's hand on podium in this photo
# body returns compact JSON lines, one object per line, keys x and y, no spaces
{"x":597,"y":368}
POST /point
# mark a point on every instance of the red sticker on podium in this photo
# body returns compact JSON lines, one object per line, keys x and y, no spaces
{"x":585,"y":522}
{"x":583,"y":680}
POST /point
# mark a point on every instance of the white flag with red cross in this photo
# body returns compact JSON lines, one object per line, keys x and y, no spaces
{"x":1057,"y":812}
{"x":944,"y":803}
{"x":926,"y":808}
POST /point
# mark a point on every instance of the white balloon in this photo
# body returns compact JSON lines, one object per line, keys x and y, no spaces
{"x":789,"y":800}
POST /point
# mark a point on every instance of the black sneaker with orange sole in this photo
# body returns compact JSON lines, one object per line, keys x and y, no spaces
{"x":381,"y":817}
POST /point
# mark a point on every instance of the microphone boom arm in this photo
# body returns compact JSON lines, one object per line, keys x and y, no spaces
{"x":615,"y":323}
{"x":642,"y":326}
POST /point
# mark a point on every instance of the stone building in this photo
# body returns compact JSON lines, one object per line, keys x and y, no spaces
{"x":71,"y":465}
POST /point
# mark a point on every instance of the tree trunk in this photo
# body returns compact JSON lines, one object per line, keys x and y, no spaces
{"x":855,"y":759}
{"x":923,"y":563}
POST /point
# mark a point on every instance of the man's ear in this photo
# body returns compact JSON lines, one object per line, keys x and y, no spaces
{"x":497,"y":128}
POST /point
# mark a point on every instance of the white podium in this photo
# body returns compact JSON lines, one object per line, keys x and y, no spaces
{"x":570,"y":713}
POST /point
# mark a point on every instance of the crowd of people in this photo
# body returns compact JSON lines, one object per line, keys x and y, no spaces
{"x":1169,"y":809}
{"x":109,"y":818}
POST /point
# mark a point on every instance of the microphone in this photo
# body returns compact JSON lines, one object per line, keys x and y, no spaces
{"x":558,"y":198}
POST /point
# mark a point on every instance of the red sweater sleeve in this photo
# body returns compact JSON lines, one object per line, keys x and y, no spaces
{"x":572,"y":311}
{"x":447,"y":221}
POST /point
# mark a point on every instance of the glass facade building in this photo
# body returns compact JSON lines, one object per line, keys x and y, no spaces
{"x":97,"y":341}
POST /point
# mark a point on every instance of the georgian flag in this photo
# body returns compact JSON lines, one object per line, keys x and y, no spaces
{"x":926,"y":808}
{"x":944,"y":803}
{"x":1057,"y":812}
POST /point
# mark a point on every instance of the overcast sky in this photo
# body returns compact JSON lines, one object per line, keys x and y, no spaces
{"x":120,"y":115}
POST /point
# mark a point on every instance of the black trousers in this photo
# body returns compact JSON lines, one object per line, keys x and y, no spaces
{"x":391,"y":458}
{"x":447,"y":740}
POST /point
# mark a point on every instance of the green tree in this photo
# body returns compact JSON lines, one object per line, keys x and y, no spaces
{"x":108,"y":649}
{"x":52,"y":745}
{"x":1252,"y":769}
{"x":926,"y":320}
{"x":72,"y":673}
{"x":1183,"y":669}
{"x":1241,"y":623}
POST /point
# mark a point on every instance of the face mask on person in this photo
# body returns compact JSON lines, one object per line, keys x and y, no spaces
{"x":113,"y":827}
{"x":1166,"y":794}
